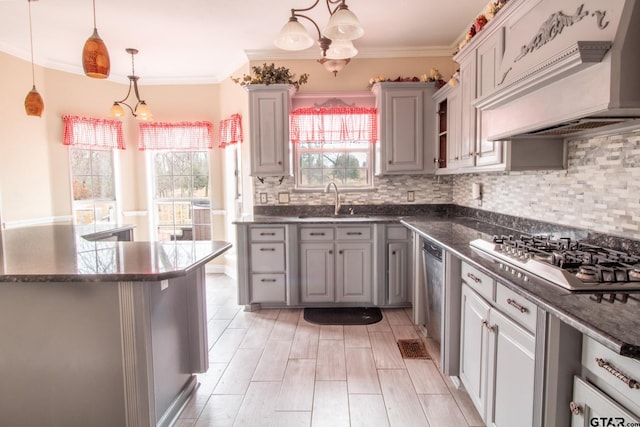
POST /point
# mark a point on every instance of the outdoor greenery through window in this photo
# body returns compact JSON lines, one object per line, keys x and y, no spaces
{"x":93,"y":186}
{"x":348,"y":164}
{"x":181,"y":196}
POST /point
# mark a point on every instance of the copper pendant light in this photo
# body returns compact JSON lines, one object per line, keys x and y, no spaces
{"x":33,"y":104}
{"x":95,"y":56}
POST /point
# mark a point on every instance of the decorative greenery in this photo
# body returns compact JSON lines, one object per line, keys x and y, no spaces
{"x":433,"y":76}
{"x":269,"y":74}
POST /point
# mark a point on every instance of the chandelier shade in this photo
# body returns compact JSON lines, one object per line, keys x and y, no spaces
{"x":341,"y":49}
{"x":343,"y":25}
{"x":293,"y":36}
{"x":140,"y":110}
{"x":95,"y":56}
{"x":334,"y":65}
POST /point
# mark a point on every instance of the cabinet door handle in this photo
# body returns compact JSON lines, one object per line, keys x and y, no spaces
{"x":619,"y":375}
{"x":267,"y":249}
{"x":474,"y":278}
{"x":487,"y":325}
{"x":393,"y":252}
{"x":517,"y":306}
{"x":575,"y":408}
{"x":330,"y":252}
{"x":354,"y":233}
{"x":267,"y":234}
{"x":316,"y":234}
{"x":390,"y":161}
{"x":279,"y":162}
{"x":340,"y":251}
{"x":268,"y":280}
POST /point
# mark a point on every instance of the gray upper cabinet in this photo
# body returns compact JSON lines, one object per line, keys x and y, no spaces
{"x":269,"y":129}
{"x":406,"y":119}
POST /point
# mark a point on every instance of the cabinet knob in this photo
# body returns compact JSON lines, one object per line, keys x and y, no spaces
{"x":279,"y":162}
{"x":390,"y":161}
{"x":435,"y":160}
{"x":340,"y":251}
{"x":330,"y":252}
{"x":393,"y":252}
{"x":470,"y":153}
{"x":575,"y":408}
{"x":455,"y":158}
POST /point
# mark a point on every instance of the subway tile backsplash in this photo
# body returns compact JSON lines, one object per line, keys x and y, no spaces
{"x":599,"y":191}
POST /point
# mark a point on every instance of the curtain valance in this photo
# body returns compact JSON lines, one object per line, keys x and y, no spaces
{"x":333,"y":124}
{"x":175,"y":136}
{"x":92,"y":132}
{"x":230,"y":131}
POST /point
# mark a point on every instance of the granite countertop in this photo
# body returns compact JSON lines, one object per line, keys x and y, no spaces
{"x":615,"y":325}
{"x":61,"y":253}
{"x":315,"y":219}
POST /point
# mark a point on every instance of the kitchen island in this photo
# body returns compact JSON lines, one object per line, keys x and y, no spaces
{"x":99,"y":332}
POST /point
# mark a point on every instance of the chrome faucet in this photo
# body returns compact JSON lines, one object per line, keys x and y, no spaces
{"x":326,"y":190}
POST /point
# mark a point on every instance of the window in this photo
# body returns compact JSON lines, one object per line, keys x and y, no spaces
{"x":333,"y":144}
{"x":92,"y":153}
{"x":181,"y":195}
{"x":93,"y":186}
{"x":179,"y":176}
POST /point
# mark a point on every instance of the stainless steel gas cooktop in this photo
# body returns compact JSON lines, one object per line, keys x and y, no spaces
{"x":573,"y":265}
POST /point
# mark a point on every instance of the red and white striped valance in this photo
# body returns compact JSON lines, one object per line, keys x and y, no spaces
{"x":230,"y":131}
{"x":334,"y":124}
{"x":92,"y":132}
{"x":175,"y":136}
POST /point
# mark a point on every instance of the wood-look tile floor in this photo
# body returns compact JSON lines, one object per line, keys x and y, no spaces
{"x":272,"y":368}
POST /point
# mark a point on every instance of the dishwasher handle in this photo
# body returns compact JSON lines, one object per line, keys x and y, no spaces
{"x":433,"y":250}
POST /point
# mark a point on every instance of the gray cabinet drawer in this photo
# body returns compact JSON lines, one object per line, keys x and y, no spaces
{"x":267,"y":288}
{"x":267,"y":257}
{"x":353,"y":233}
{"x":316,"y":233}
{"x":612,"y":372}
{"x":267,"y":234}
{"x":517,"y":307}
{"x":479,"y":281}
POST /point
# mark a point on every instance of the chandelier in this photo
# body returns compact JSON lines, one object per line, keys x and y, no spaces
{"x":140,"y":111}
{"x":335,"y":40}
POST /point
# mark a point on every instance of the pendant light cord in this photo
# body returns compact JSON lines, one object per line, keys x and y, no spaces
{"x":33,"y":72}
{"x":94,"y":14}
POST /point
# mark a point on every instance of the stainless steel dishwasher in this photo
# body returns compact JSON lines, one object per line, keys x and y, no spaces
{"x":442,"y":290}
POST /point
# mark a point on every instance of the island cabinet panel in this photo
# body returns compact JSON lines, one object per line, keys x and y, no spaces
{"x":100,"y":353}
{"x":317,"y":272}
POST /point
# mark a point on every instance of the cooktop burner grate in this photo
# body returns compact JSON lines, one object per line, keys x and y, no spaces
{"x":573,"y":265}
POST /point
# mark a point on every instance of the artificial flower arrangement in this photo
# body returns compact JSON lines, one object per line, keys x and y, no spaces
{"x":481,"y":20}
{"x":433,"y":76}
{"x":269,"y":74}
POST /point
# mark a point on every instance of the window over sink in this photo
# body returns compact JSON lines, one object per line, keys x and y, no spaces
{"x":333,"y":144}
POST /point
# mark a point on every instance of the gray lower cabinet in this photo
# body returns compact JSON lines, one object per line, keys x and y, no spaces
{"x":262,"y":264}
{"x":497,"y":354}
{"x":336,"y":264}
{"x":398,"y":262}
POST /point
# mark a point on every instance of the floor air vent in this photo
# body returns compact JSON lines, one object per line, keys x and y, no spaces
{"x":413,"y":349}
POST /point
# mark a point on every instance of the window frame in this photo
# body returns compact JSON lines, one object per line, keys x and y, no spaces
{"x":298,"y":170}
{"x":154,"y":223}
{"x":93,"y":202}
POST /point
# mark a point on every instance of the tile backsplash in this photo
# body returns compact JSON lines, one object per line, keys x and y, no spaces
{"x":599,"y":191}
{"x":388,"y":190}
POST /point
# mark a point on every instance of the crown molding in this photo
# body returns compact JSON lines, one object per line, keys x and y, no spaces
{"x":396,"y":52}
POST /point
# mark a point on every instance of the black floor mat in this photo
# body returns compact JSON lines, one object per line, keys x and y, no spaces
{"x":343,"y":315}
